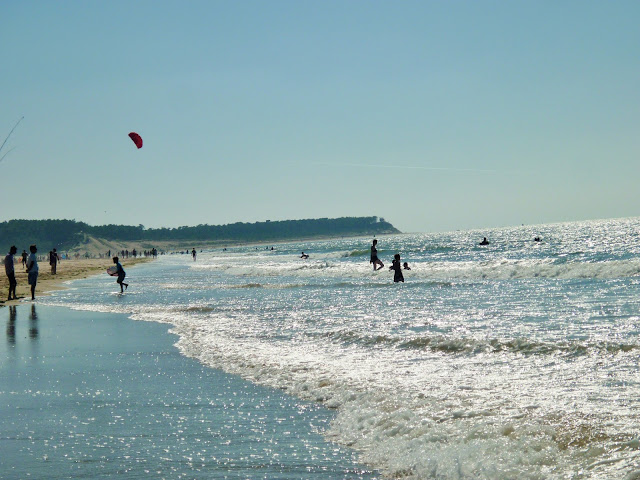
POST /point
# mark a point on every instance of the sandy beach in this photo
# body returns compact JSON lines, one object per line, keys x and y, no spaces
{"x":71,"y":269}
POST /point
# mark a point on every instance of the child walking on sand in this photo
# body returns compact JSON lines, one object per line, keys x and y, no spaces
{"x":121,"y":274}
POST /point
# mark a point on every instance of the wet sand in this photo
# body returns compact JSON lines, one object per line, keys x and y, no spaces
{"x":97,"y":395}
{"x":67,"y":270}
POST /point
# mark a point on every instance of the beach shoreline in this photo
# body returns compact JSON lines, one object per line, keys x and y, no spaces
{"x":71,"y":269}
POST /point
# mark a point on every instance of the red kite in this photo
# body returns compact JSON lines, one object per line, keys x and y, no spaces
{"x":137,"y":139}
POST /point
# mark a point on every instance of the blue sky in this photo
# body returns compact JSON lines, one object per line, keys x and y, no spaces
{"x":434,"y":115}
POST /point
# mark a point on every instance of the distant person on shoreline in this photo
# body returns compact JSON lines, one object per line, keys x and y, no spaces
{"x":374,"y":256}
{"x":405,"y":266}
{"x":32,"y":270}
{"x":304,"y":255}
{"x":53,"y":261}
{"x":121,"y":274}
{"x":484,"y":241}
{"x":193,"y":254}
{"x":24,"y":258}
{"x":397,"y":269}
{"x":10,"y":271}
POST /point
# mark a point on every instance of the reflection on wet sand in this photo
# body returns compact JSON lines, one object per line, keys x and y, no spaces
{"x":11,"y":326}
{"x":33,"y":326}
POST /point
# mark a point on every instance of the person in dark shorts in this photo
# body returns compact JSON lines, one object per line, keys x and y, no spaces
{"x":397,"y":269}
{"x":374,"y":256}
{"x":11,"y":274}
{"x":121,"y":274}
{"x":32,"y":270}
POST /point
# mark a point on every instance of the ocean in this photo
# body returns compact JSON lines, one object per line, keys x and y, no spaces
{"x":515,"y":360}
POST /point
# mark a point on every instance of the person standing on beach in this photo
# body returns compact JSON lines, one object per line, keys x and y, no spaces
{"x":32,"y":270}
{"x":397,"y":269}
{"x":53,"y":261}
{"x":121,"y":274}
{"x":10,"y":271}
{"x":24,"y":258}
{"x":56,"y":261}
{"x":374,"y":256}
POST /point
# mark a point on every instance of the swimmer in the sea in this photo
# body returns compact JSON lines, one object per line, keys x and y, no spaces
{"x":397,"y":269}
{"x":374,"y":256}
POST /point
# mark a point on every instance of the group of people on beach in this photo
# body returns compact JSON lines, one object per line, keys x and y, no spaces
{"x":31,"y":265}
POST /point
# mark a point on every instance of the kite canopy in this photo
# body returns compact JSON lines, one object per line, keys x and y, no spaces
{"x":137,"y":139}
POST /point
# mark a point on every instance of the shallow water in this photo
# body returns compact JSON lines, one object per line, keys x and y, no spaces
{"x":512,"y":360}
{"x":87,"y":395}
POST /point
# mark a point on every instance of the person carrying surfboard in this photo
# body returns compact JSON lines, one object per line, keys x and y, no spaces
{"x":121,"y":274}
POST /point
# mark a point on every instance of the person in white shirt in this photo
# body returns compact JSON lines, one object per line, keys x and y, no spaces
{"x":32,"y":270}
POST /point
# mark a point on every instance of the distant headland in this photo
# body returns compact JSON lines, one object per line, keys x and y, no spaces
{"x":70,"y":235}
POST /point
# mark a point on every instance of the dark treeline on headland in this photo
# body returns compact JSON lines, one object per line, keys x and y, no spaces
{"x":66,"y":234}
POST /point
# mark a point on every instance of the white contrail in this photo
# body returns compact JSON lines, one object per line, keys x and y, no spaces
{"x":418,"y":167}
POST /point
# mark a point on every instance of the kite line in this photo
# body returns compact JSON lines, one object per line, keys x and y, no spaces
{"x":5,"y":140}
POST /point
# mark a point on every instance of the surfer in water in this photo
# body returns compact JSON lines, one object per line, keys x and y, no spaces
{"x":121,"y":274}
{"x":374,"y":256}
{"x":304,"y":255}
{"x":397,"y":269}
{"x":193,"y":254}
{"x":484,"y":241}
{"x":405,"y":266}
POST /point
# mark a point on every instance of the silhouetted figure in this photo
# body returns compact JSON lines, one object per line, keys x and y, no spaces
{"x":484,"y":241}
{"x":193,"y":254}
{"x":24,"y":258}
{"x":374,"y":256}
{"x":405,"y":266}
{"x":10,"y":271}
{"x":32,"y":270}
{"x":397,"y":269}
{"x":537,"y":239}
{"x":121,"y":274}
{"x":304,"y":255}
{"x":53,"y":261}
